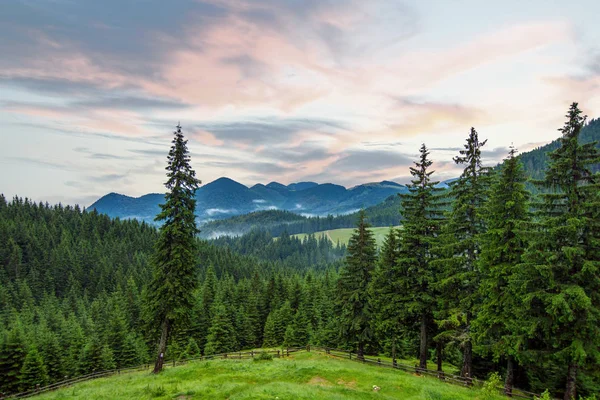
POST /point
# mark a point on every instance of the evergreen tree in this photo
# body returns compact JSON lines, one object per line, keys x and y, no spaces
{"x":561,"y":271}
{"x":389,"y":314}
{"x":459,"y":269}
{"x":221,"y":335}
{"x":12,"y":353}
{"x":496,"y":328}
{"x":191,"y":351}
{"x":52,"y":354}
{"x":298,"y":332}
{"x":354,"y":299}
{"x":107,"y":359}
{"x":174,"y":280}
{"x":276,"y":325}
{"x":33,"y":371}
{"x":92,"y":356}
{"x":422,"y":212}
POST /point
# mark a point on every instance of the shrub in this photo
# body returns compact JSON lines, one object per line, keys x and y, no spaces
{"x":490,"y":387}
{"x":264,"y":356}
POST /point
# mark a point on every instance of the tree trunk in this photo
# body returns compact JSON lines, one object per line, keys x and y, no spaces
{"x":438,"y":354}
{"x":509,"y":381}
{"x":162,"y":346}
{"x":571,"y":389}
{"x":423,"y":349}
{"x":466,"y":371}
{"x":361,"y":351}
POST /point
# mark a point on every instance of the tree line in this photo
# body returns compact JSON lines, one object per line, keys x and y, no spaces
{"x":503,"y":276}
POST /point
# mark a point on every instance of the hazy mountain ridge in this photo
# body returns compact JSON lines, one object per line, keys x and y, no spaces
{"x":225,"y":198}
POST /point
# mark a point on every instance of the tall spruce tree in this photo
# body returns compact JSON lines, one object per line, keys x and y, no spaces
{"x":171,"y":291}
{"x":354,"y":297}
{"x":460,"y":274}
{"x":388,"y":311}
{"x":497,"y":326}
{"x":423,"y":213}
{"x":561,"y":271}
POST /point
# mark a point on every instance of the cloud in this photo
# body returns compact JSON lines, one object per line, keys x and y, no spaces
{"x":268,"y":130}
{"x":263,"y":168}
{"x":366,"y":160}
{"x":106,"y":178}
{"x":99,"y":156}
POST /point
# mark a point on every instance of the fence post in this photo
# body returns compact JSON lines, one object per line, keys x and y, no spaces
{"x":395,"y":363}
{"x":287,"y":351}
{"x":308,"y":348}
{"x":278,"y":356}
{"x":379,"y":361}
{"x":350,"y":354}
{"x":252,"y":353}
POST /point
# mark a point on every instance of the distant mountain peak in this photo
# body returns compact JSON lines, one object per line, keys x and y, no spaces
{"x":276,"y":185}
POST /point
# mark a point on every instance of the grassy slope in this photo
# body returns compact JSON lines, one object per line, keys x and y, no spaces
{"x":302,"y":376}
{"x":343,"y":235}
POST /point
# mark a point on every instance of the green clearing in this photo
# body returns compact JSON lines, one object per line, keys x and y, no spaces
{"x":301,"y":376}
{"x":343,"y":235}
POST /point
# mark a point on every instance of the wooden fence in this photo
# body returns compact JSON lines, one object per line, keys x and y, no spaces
{"x":241,"y":355}
{"x":237,"y":355}
{"x":455,"y":379}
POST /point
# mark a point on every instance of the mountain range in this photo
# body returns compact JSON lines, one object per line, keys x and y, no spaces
{"x":225,"y":198}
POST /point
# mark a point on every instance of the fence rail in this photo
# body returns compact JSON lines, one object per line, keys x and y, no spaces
{"x":455,"y":379}
{"x":237,"y":355}
{"x":242,"y":355}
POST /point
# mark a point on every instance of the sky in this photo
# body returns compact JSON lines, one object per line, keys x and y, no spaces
{"x":279,"y":90}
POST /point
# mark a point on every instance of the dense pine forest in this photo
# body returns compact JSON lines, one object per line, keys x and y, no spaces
{"x":489,"y":275}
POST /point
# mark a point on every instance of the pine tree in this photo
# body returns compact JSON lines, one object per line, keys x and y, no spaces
{"x":422,"y":212}
{"x":221,"y":335}
{"x":298,"y":332}
{"x":561,"y":271}
{"x":174,"y":278}
{"x":191,"y":351}
{"x":354,"y":299}
{"x":276,"y":325}
{"x":33,"y":371}
{"x":91,"y":359}
{"x":12,"y":353}
{"x":458,"y":263}
{"x":107,"y":359}
{"x":52,"y":354}
{"x":389,"y":314}
{"x":496,"y":328}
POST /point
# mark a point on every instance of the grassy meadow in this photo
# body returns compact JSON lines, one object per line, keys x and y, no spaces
{"x":301,"y":376}
{"x":343,"y":235}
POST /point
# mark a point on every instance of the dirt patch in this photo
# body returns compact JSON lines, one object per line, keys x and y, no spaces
{"x":349,"y":384}
{"x":318,"y":381}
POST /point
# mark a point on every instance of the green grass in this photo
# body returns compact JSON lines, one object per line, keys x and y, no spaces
{"x":343,"y":235}
{"x":301,"y":376}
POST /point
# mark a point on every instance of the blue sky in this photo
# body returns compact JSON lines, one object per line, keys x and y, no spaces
{"x":331,"y":91}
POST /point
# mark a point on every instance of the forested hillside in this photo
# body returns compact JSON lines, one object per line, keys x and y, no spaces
{"x":72,"y":295}
{"x":276,"y":222}
{"x":535,"y":161}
